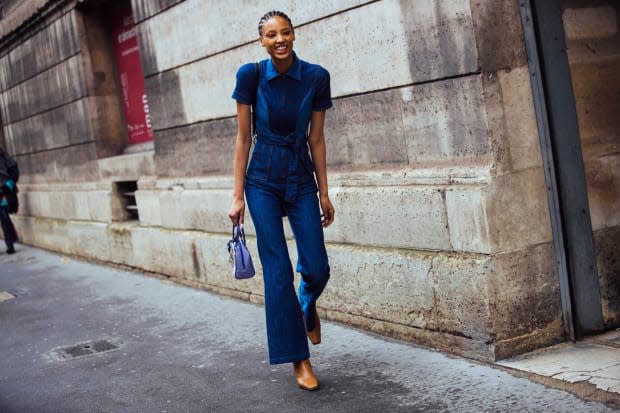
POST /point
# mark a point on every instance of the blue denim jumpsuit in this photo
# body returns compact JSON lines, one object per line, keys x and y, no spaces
{"x":280,"y":182}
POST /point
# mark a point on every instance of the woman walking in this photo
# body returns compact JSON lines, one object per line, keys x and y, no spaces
{"x":9,"y":175}
{"x":288,"y":96}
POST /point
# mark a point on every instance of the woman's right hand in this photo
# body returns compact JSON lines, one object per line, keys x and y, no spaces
{"x":237,"y":211}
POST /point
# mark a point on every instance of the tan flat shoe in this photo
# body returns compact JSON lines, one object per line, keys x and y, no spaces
{"x":305,"y":376}
{"x":315,"y":335}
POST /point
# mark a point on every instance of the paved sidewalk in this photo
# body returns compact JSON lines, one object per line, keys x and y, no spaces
{"x":179,"y":349}
{"x":594,"y":360}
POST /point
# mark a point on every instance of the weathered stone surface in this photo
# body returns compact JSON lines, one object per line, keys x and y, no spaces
{"x":48,"y":47}
{"x":603,"y":179}
{"x":435,"y":124}
{"x":439,"y":35}
{"x":517,"y":211}
{"x":44,"y":233}
{"x":596,"y":87}
{"x":197,"y":25}
{"x":519,"y":128}
{"x":199,"y":149}
{"x":452,"y":218}
{"x":5,"y":70}
{"x":99,"y":204}
{"x":119,"y":236}
{"x":88,"y":236}
{"x":188,"y":209}
{"x":468,"y":222}
{"x":105,"y":106}
{"x":70,"y":164}
{"x":58,"y":128}
{"x":85,"y":239}
{"x":590,"y":22}
{"x":403,"y":217}
{"x":445,"y":123}
{"x":525,"y":300}
{"x":420,"y":290}
{"x":206,"y":85}
{"x":523,"y":291}
{"x":62,"y":84}
{"x":353,"y":144}
{"x":61,"y":203}
{"x":148,"y":59}
{"x":18,"y":12}
{"x":426,"y":125}
{"x":149,"y":208}
{"x":143,"y":9}
{"x":130,"y":167}
{"x":108,"y":125}
{"x":196,"y":205}
{"x":165,"y":100}
{"x":165,"y":252}
{"x":499,"y":35}
{"x":608,"y":266}
{"x":460,"y":288}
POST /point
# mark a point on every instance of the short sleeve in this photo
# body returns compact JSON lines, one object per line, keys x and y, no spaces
{"x":245,"y":89}
{"x":322,"y":95}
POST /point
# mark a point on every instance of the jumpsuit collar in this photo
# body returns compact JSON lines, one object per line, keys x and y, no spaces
{"x":294,"y":72}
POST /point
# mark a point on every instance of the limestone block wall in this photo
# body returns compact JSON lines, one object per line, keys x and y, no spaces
{"x":442,"y":234}
{"x":593,"y":40}
{"x":43,"y":96}
{"x":58,"y":108}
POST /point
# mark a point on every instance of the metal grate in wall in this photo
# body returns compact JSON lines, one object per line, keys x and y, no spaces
{"x":127,"y":191}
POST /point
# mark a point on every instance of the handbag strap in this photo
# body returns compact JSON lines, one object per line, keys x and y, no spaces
{"x":257,"y":70}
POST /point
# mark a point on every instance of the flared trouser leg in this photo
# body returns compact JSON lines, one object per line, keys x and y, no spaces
{"x":313,"y":265}
{"x":8,"y":230}
{"x":286,"y":335}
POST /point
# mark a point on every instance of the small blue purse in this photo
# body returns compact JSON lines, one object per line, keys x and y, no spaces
{"x":239,"y":255}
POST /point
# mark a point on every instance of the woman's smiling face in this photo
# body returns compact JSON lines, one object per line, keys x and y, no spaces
{"x":278,"y":37}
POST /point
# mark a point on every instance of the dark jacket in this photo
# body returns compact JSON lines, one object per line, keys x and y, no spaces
{"x":9,"y":170}
{"x":8,"y":167}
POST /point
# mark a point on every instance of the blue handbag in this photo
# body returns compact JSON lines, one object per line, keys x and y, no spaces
{"x":239,"y":254}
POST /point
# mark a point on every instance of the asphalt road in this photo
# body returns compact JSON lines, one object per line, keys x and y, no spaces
{"x":179,"y":349}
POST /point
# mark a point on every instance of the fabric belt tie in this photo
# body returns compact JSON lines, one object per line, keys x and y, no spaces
{"x":298,"y":147}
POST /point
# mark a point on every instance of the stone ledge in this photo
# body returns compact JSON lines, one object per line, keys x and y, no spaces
{"x":129,"y":167}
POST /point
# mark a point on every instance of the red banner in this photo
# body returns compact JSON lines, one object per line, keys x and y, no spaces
{"x":131,"y":77}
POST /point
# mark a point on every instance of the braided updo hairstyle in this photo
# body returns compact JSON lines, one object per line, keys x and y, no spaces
{"x":269,"y":15}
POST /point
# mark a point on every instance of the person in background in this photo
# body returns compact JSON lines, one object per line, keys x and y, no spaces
{"x":290,"y":97}
{"x":9,"y":175}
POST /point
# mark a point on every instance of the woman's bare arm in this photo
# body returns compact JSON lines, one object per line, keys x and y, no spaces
{"x":240,"y":163}
{"x":318,"y":149}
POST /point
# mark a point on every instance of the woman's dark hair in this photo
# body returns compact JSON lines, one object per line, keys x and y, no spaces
{"x":269,"y":15}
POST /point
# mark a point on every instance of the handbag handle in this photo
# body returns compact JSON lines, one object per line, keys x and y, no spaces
{"x":238,"y":232}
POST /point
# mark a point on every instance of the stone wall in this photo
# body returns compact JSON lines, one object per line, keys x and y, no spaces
{"x":442,"y":233}
{"x":45,"y":102}
{"x":593,"y":40}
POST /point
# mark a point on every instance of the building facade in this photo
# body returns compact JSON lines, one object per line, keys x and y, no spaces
{"x":448,"y":232}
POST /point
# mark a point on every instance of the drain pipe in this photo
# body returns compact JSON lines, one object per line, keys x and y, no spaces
{"x":548,"y":165}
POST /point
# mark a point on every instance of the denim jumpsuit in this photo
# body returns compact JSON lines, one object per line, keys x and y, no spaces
{"x":280,"y":182}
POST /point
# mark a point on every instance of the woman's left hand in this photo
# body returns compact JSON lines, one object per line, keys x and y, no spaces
{"x":328,"y":211}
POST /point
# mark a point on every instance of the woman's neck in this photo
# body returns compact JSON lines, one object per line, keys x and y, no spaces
{"x":283,"y":66}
